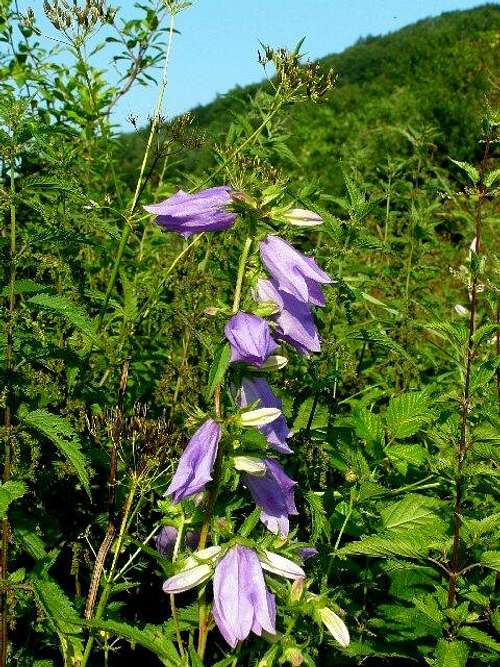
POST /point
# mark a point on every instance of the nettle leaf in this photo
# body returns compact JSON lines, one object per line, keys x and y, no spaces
{"x":478,"y":636}
{"x":319,"y":420}
{"x":74,"y":314}
{"x":407,"y":545}
{"x":219,"y":368}
{"x":61,"y":433}
{"x":407,"y":413}
{"x":151,"y":638}
{"x":9,"y":492}
{"x":26,"y":286}
{"x":319,"y":520}
{"x":491,"y":559}
{"x":413,"y":511}
{"x":451,"y":654}
{"x":62,"y":617}
{"x":491,"y":178}
{"x":469,"y":169}
{"x":368,"y":425}
{"x":51,"y":183}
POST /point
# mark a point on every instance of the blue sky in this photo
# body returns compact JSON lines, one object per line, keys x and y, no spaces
{"x":217,"y":47}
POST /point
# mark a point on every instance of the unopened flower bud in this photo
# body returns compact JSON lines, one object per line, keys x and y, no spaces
{"x":273,"y":363}
{"x":294,"y":656}
{"x":211,"y":311}
{"x":350,"y":476}
{"x":301,"y":217}
{"x":259,"y":417}
{"x":335,"y":626}
{"x":297,"y":590}
{"x":461,"y":310}
{"x":250,"y":464}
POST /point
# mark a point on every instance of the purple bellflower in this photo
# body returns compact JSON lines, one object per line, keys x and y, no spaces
{"x":277,"y":431}
{"x":294,"y":273}
{"x":274,"y":494}
{"x":196,"y":463}
{"x":250,"y":339}
{"x":187,"y":214}
{"x":294,"y":319}
{"x":307,"y":552}
{"x":242,"y":602}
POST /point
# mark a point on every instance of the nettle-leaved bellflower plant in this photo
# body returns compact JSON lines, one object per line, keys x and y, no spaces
{"x":221,"y":466}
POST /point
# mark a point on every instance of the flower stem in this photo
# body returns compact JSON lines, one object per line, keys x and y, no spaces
{"x":9,"y":407}
{"x":173,"y":608}
{"x":241,"y":275}
{"x":103,"y":600}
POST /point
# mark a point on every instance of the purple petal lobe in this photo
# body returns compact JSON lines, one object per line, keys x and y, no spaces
{"x":274,"y":494}
{"x":250,"y":339}
{"x":241,"y":599}
{"x":187,"y":214}
{"x":195,"y":465}
{"x":294,"y":273}
{"x":277,"y":431}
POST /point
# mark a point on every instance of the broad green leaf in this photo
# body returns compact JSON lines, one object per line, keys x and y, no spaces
{"x":10,"y":491}
{"x":476,"y":635}
{"x":407,"y":413}
{"x":491,"y":178}
{"x":61,"y":433}
{"x":407,"y":545}
{"x":62,"y":616}
{"x":451,"y":654}
{"x":368,"y":425}
{"x":470,"y":170}
{"x":491,"y":559}
{"x":71,"y":312}
{"x":151,"y":638}
{"x":413,"y":511}
{"x":319,"y":419}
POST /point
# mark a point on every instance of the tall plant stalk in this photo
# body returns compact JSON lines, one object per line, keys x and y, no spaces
{"x":9,"y":408}
{"x":463,"y":443}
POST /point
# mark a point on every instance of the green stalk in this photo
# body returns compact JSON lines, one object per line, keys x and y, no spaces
{"x":241,"y":275}
{"x":103,"y":600}
{"x":8,"y":414}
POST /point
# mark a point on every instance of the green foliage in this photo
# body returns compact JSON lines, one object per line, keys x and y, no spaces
{"x":111,"y":336}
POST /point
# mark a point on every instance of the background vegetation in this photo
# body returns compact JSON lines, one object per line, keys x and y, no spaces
{"x":106,"y":343}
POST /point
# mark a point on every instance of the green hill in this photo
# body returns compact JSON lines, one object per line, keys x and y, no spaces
{"x":427,"y":78}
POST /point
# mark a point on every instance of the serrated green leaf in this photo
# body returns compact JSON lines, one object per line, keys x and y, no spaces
{"x":26,"y":286}
{"x":407,"y":413}
{"x":409,"y":545}
{"x":411,"y":512}
{"x":9,"y":492}
{"x":61,"y":433}
{"x":62,"y":616}
{"x":150,"y":637}
{"x":469,"y":169}
{"x":491,"y":178}
{"x":491,"y":559}
{"x":451,"y":654}
{"x":219,"y":368}
{"x":479,"y":637}
{"x":368,"y":425}
{"x":319,"y":520}
{"x":320,"y":417}
{"x":71,"y":312}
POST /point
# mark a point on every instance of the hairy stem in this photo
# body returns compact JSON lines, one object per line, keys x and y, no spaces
{"x":103,"y":600}
{"x":466,"y":397}
{"x":9,"y":407}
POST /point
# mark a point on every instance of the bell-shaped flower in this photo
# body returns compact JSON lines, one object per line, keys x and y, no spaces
{"x":251,"y":465}
{"x":277,"y":432}
{"x":197,"y":569}
{"x":294,"y":318}
{"x":307,"y":552}
{"x":186,"y":214}
{"x":195,"y":465}
{"x":274,"y":494}
{"x":242,"y":602}
{"x":294,"y":273}
{"x":250,"y":339}
{"x":335,"y":626}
